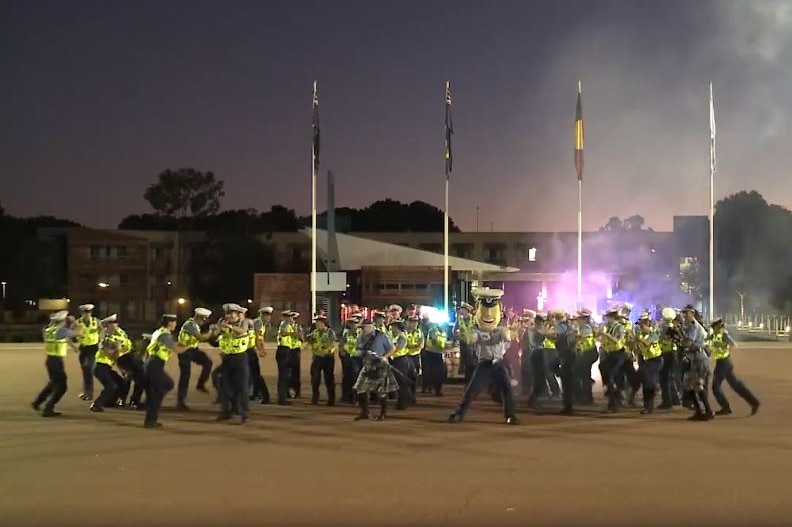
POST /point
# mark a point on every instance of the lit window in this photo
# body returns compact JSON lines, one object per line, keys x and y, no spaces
{"x":532,"y":254}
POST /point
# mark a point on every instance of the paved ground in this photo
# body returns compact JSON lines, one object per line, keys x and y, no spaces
{"x":307,"y":465}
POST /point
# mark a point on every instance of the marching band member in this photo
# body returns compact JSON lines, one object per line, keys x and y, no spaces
{"x":376,"y":378}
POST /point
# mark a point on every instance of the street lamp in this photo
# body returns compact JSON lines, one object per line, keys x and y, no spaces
{"x":4,"y":284}
{"x":103,"y":285}
{"x":181,"y":301}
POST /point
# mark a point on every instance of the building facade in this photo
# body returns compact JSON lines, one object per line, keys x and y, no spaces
{"x":141,"y":274}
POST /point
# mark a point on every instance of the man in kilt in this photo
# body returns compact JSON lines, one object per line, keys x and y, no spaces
{"x":695,"y":366}
{"x":376,"y":378}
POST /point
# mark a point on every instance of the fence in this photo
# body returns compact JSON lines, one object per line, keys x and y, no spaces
{"x":759,"y":323}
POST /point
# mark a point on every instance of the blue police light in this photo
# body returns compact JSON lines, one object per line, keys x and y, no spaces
{"x":436,"y":316}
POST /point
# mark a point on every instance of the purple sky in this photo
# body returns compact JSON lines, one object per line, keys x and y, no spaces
{"x":99,"y":97}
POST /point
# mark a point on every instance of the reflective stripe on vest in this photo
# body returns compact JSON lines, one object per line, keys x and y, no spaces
{"x":54,"y":346}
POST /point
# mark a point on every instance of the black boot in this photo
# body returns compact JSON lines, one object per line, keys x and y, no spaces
{"x":383,"y":408}
{"x":363,"y":399}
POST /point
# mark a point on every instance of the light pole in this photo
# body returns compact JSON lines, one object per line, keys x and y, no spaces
{"x":742,"y":307}
{"x":4,"y":284}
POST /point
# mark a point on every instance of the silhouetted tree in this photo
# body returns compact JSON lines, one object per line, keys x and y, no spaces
{"x":185,"y":192}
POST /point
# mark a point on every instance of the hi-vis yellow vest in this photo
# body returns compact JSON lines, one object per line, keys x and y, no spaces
{"x":350,"y":342}
{"x":436,"y":341}
{"x":652,"y":351}
{"x":231,"y":343}
{"x":413,"y":346}
{"x":190,"y":341}
{"x":720,"y":348}
{"x":322,"y":343}
{"x":285,"y":340}
{"x":55,"y":346}
{"x":123,"y":341}
{"x":549,"y":343}
{"x":156,"y":349}
{"x":586,"y":343}
{"x":90,"y":333}
{"x":102,"y":357}
{"x":610,"y":345}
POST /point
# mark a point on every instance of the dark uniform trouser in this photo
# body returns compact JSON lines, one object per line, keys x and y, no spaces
{"x":294,"y":381}
{"x":488,"y":373}
{"x":87,"y":358}
{"x":613,"y":365}
{"x":583,"y":385}
{"x":158,"y":384}
{"x":468,"y":354}
{"x":631,"y":375}
{"x":185,"y":359}
{"x":283,"y":357}
{"x":217,"y":375}
{"x":552,"y":367}
{"x":56,"y":386}
{"x":234,"y":383}
{"x":416,"y":369}
{"x":346,"y":378}
{"x":404,"y":365}
{"x":323,"y":366}
{"x":434,"y":372}
{"x":669,"y":390}
{"x":526,"y":373}
{"x":112,"y":384}
{"x":539,"y":387}
{"x":568,"y":385}
{"x":258,"y":386}
{"x":650,"y":376}
{"x":133,"y":367}
{"x":724,"y":371}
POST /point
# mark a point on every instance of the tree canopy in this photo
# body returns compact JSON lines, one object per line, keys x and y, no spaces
{"x":185,"y":192}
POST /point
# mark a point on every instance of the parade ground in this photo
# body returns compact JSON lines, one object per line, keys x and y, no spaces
{"x":312,"y":465}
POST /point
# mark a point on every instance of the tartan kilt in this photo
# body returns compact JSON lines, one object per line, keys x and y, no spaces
{"x":376,"y":377}
{"x":695,"y":370}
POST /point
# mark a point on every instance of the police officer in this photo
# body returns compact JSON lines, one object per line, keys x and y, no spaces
{"x":323,"y":343}
{"x":434,"y":366}
{"x":669,"y":390}
{"x":566,"y":340}
{"x":587,"y":355}
{"x":462,"y":328}
{"x":631,"y":377}
{"x":647,"y":341}
{"x":264,"y":332}
{"x":128,"y":361}
{"x":283,"y":356}
{"x":234,"y":340}
{"x":403,"y":343}
{"x":158,"y":382}
{"x":296,"y":354}
{"x":722,"y":346}
{"x":351,"y":362}
{"x":613,"y":357}
{"x":105,"y":361}
{"x":57,"y":341}
{"x":190,"y":336}
{"x":89,"y":345}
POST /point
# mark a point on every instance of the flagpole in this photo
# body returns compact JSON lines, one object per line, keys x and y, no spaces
{"x":712,"y":211}
{"x":313,"y":214}
{"x":448,"y":161}
{"x":579,"y":168}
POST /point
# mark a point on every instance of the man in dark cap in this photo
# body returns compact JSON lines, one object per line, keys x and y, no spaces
{"x":695,"y":366}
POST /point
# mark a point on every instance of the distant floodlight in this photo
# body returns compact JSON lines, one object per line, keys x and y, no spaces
{"x":181,"y":301}
{"x":103,"y":285}
{"x":532,"y":254}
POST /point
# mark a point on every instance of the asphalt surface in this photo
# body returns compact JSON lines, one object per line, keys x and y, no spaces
{"x":312,"y":465}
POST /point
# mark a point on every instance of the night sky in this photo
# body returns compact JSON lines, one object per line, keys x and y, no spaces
{"x":98,"y":97}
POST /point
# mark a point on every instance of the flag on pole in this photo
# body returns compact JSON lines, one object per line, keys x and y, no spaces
{"x":449,"y":130}
{"x":712,"y":133}
{"x":315,"y":126}
{"x":579,"y":135}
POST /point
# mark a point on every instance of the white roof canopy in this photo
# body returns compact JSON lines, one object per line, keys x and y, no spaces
{"x":355,"y":253}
